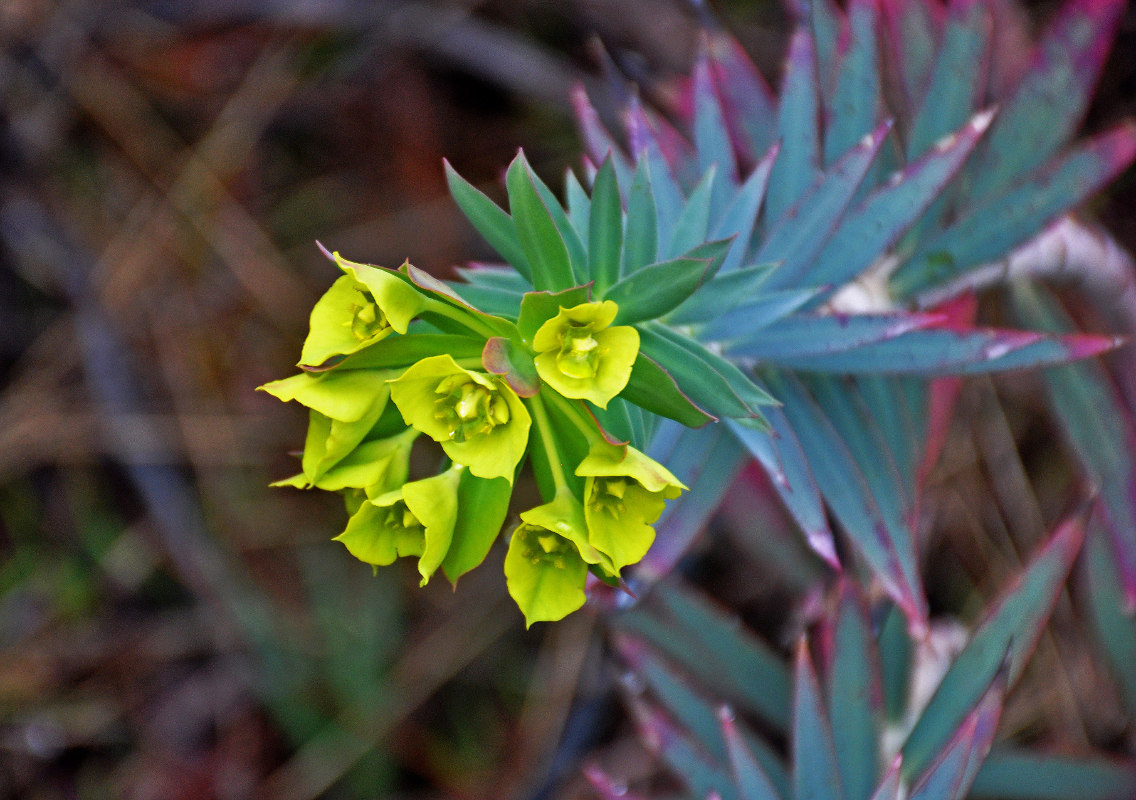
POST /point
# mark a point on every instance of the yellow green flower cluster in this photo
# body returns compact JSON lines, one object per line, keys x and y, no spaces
{"x":394,"y":357}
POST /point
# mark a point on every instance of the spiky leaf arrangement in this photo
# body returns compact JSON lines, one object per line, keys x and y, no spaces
{"x":896,"y":161}
{"x":866,"y":715}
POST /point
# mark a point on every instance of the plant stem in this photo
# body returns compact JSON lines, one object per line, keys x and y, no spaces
{"x":551,"y":452}
{"x":576,"y":418}
{"x":463,"y":318}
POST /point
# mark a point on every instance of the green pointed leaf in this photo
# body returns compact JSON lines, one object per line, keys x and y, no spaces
{"x":854,"y":698}
{"x":577,"y":250}
{"x":494,"y":277}
{"x":714,"y":649}
{"x":605,"y":229}
{"x":712,"y":382}
{"x":650,"y":387}
{"x":640,"y":236}
{"x":752,"y":781}
{"x":799,"y":162}
{"x":1050,"y":99}
{"x":579,"y":208}
{"x":816,"y":774}
{"x":499,"y":302}
{"x":991,"y":229}
{"x":1014,"y":623}
{"x":799,"y":234}
{"x":490,"y":221}
{"x":720,"y":294}
{"x":399,"y":351}
{"x":652,"y":291}
{"x":540,"y":240}
{"x":1016,"y":774}
{"x":482,"y":507}
{"x":856,"y":97}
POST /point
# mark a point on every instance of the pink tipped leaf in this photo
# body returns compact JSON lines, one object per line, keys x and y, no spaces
{"x":784,"y":461}
{"x":1099,"y":426}
{"x":890,"y":784}
{"x":1007,"y":635}
{"x":855,"y":106}
{"x":951,"y":775}
{"x":1052,"y":97}
{"x":799,"y":235}
{"x":740,"y":217}
{"x":803,"y":337}
{"x":958,"y":78}
{"x":749,"y":104}
{"x":607,"y":787}
{"x":911,"y":30}
{"x":855,"y":695}
{"x":598,"y":141}
{"x":996,"y":226}
{"x":750,"y":778}
{"x":869,"y":230}
{"x":816,"y":772}
{"x":715,"y":649}
{"x":884,"y":542}
{"x":797,"y":120}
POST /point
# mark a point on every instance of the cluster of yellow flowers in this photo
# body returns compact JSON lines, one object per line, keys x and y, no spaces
{"x":393,"y":355}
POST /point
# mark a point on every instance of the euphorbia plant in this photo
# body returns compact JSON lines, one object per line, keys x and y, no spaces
{"x":781,"y":278}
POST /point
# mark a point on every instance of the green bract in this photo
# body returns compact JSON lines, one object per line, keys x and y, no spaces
{"x":545,"y":568}
{"x":581,"y":357}
{"x":414,"y":520}
{"x":375,"y":467}
{"x":361,"y":308}
{"x":624,"y":494}
{"x":344,"y":405}
{"x":479,"y":421}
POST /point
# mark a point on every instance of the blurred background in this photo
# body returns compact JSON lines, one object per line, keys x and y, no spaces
{"x":170,"y":627}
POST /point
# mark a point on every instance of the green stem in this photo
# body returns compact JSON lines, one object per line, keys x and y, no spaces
{"x":576,"y":417}
{"x":551,"y":452}
{"x":463,"y":318}
{"x":472,"y":364}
